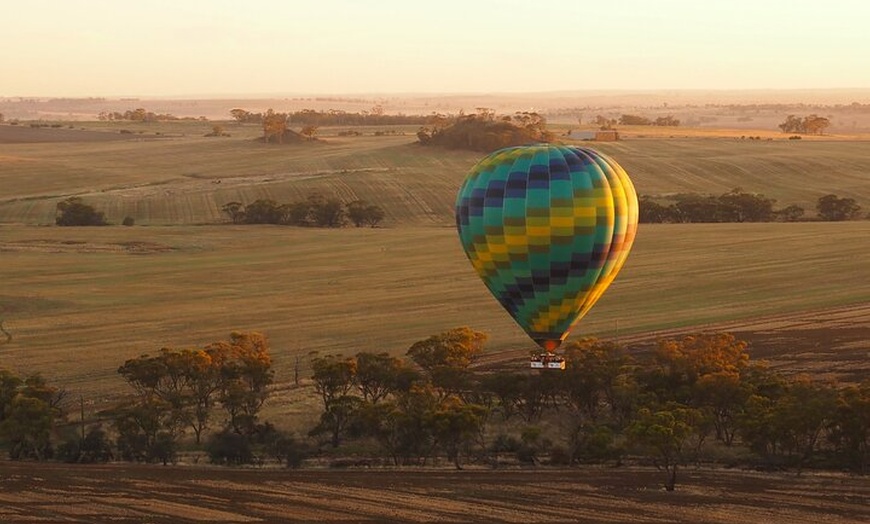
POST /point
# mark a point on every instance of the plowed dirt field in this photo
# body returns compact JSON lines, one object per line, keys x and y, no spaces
{"x":49,"y":493}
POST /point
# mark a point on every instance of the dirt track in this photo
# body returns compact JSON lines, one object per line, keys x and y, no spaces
{"x":43,"y":493}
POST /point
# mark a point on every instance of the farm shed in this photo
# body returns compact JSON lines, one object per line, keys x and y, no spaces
{"x":609,"y":135}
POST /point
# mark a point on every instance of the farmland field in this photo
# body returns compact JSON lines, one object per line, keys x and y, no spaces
{"x":78,"y":302}
{"x":49,"y":493}
{"x":176,"y":178}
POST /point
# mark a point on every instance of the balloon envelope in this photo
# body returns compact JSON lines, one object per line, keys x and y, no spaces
{"x":547,"y":228}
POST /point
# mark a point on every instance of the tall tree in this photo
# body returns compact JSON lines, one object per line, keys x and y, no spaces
{"x":245,"y":376}
{"x":379,"y":375}
{"x":851,"y":429}
{"x":457,"y":348}
{"x":274,"y":125}
{"x":333,"y":377}
{"x":456,"y":424}
{"x":666,"y":435}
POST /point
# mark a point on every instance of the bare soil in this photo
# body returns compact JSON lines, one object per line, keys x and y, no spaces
{"x":43,"y":493}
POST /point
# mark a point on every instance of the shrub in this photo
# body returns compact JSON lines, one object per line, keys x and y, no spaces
{"x":95,"y":448}
{"x":74,"y":212}
{"x":831,"y":208}
{"x":129,"y":221}
{"x":229,"y":448}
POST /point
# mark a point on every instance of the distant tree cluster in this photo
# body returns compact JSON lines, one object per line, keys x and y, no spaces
{"x":636,"y":120}
{"x":833,"y":208}
{"x":484,"y":131}
{"x":739,"y":206}
{"x":334,"y":117}
{"x":217,"y":130}
{"x":315,"y":211}
{"x":276,"y":126}
{"x":734,"y":206}
{"x":138,"y":115}
{"x":74,"y":212}
{"x":808,"y":125}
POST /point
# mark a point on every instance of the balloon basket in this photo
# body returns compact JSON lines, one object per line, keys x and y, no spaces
{"x":547,"y":361}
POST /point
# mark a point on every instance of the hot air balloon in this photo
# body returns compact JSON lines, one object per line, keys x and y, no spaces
{"x":547,"y":228}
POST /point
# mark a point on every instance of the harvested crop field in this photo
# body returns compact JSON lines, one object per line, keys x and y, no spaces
{"x":43,"y":493}
{"x":831,"y":343}
{"x":47,"y":135}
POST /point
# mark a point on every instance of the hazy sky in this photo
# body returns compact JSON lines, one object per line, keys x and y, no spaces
{"x":222,"y":47}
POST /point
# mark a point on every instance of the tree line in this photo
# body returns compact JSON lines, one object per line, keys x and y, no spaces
{"x":315,"y":211}
{"x":333,"y":117}
{"x":638,"y":120}
{"x":140,"y":115}
{"x":692,"y":399}
{"x":739,"y":206}
{"x":808,"y":125}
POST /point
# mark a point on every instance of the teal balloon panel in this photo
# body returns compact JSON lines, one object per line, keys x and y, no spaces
{"x":547,"y":228}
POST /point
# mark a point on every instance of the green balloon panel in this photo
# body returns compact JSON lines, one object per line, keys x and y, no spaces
{"x":547,"y":228}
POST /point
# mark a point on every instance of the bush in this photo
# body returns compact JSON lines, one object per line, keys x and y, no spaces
{"x":95,"y":448}
{"x":559,"y":456}
{"x":289,"y":451}
{"x":229,"y":448}
{"x":831,"y":208}
{"x":74,"y":212}
{"x":505,"y":444}
{"x":129,"y":221}
{"x":165,"y":448}
{"x":283,"y":447}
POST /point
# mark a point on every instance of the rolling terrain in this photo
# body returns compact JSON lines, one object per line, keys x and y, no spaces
{"x":78,"y":302}
{"x":179,"y":177}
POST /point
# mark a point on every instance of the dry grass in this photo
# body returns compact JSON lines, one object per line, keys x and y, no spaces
{"x":79,"y":301}
{"x":186,"y":179}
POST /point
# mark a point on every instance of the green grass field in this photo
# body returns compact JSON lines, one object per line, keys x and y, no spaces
{"x":80,"y":301}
